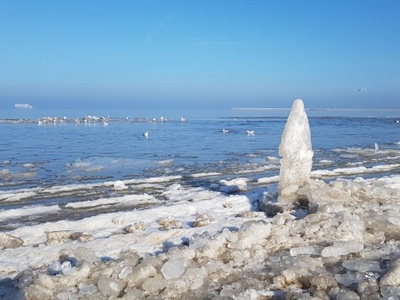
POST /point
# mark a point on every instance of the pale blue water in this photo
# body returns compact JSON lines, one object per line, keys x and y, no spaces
{"x":64,"y":162}
{"x":66,"y":153}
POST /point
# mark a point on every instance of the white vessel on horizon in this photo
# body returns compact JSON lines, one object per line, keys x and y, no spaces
{"x":23,"y":105}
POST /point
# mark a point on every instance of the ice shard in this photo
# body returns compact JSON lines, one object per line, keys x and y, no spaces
{"x":296,"y":152}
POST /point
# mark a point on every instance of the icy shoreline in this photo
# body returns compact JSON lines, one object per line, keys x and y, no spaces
{"x":207,"y":236}
{"x":340,"y":244}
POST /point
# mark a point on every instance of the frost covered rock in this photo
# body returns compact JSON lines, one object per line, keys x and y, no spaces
{"x":203,"y":220}
{"x":168,"y":223}
{"x":57,"y":237}
{"x":9,"y":241}
{"x":296,"y":152}
{"x":134,"y":227}
{"x":82,"y":237}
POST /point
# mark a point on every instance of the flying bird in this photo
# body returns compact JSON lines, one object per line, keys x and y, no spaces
{"x":362,"y":89}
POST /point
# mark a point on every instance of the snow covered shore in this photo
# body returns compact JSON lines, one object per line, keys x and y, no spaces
{"x":233,"y":239}
{"x":341,"y":243}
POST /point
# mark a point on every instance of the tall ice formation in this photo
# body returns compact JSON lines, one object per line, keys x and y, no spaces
{"x":296,"y":152}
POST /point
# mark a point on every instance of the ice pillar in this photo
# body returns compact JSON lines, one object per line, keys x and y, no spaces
{"x":296,"y":152}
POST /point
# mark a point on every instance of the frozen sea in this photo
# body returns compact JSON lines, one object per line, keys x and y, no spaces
{"x":92,"y":174}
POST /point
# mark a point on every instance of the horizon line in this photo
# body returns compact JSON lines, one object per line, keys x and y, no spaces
{"x":316,"y":109}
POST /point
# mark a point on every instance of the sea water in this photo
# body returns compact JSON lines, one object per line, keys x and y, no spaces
{"x":39,"y":161}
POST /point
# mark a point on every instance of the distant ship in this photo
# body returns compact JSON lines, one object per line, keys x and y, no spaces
{"x":24,"y":105}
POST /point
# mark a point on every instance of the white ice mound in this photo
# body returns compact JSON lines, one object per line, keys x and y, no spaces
{"x":296,"y":152}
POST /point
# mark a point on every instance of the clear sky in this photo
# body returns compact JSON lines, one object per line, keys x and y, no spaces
{"x":200,"y":53}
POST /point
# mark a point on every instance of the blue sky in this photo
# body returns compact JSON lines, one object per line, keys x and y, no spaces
{"x":200,"y":53}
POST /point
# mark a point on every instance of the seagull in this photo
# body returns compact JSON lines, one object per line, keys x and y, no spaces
{"x":250,"y":132}
{"x":146,"y":134}
{"x":183,"y":119}
{"x":225,"y":130}
{"x":362,"y":89}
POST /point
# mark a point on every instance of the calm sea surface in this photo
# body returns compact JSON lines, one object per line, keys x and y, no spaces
{"x":51,"y":164}
{"x":66,"y":152}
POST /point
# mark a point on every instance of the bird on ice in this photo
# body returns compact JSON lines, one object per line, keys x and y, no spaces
{"x":146,"y":134}
{"x":250,"y":132}
{"x":362,"y":89}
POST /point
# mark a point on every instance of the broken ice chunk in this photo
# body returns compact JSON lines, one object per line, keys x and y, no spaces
{"x":342,"y":248}
{"x":66,"y":267}
{"x":305,"y":250}
{"x":199,"y":240}
{"x":110,"y":286}
{"x":362,"y":266}
{"x":87,"y":289}
{"x":173,"y":269}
